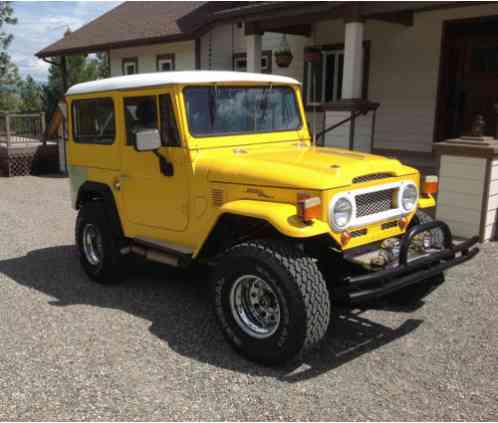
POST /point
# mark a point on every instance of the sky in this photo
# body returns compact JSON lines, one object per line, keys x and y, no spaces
{"x":41,"y":23}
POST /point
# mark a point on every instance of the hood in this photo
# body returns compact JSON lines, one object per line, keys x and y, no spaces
{"x":295,"y":166}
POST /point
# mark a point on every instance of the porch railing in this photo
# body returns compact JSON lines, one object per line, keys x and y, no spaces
{"x":18,"y":129}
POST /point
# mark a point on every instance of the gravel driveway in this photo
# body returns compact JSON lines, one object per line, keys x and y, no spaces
{"x":150,"y":349}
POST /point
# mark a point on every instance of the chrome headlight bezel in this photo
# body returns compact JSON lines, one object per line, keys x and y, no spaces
{"x":332,"y":212}
{"x":411,"y":189}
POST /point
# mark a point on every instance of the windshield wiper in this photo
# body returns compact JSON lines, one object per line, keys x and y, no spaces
{"x":212,"y":105}
{"x":264,"y":102}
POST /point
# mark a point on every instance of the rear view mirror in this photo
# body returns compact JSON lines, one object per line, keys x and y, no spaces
{"x":148,"y":140}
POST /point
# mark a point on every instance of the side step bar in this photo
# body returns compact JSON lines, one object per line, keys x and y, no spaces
{"x":157,"y":254}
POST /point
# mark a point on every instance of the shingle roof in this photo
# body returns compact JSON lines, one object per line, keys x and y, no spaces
{"x":131,"y":23}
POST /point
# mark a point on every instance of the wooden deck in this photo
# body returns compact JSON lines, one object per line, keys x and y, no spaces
{"x":23,"y":149}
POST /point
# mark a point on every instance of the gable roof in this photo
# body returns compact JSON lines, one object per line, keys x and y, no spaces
{"x":155,"y":79}
{"x":131,"y":23}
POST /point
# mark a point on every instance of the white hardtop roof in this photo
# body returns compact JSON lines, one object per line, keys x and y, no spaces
{"x":143,"y":80}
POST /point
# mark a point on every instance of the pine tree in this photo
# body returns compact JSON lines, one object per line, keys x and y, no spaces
{"x":30,"y":93}
{"x":9,"y":74}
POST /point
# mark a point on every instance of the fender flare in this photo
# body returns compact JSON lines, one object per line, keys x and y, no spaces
{"x":426,"y":202}
{"x":89,"y":190}
{"x":282,"y":216}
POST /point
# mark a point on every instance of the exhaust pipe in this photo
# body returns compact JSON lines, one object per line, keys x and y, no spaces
{"x":154,"y":255}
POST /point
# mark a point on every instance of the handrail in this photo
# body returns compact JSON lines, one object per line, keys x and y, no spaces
{"x":336,"y":125}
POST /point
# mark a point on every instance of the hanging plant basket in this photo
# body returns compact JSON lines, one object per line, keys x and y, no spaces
{"x":283,"y":58}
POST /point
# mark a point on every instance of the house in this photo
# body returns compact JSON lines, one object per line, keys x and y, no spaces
{"x":392,"y":77}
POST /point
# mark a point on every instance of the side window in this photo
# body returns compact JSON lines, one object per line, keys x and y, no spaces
{"x":93,"y":121}
{"x":140,"y":113}
{"x":169,"y":129}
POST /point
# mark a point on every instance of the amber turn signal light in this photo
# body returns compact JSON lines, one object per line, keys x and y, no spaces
{"x":403,"y":222}
{"x":346,"y":237}
{"x":308,"y":207}
{"x":430,"y":185}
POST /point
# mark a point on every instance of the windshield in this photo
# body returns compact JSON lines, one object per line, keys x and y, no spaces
{"x":241,"y":110}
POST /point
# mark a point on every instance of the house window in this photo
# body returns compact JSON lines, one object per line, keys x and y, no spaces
{"x":140,"y":114}
{"x":93,"y":121}
{"x":240,"y":62}
{"x":165,"y":63}
{"x":130,"y":66}
{"x":323,"y":75}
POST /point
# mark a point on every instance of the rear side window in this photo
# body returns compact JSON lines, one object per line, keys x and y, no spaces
{"x":140,"y":114}
{"x":94,"y":121}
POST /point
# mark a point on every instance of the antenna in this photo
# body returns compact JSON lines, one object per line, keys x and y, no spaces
{"x":314,"y":107}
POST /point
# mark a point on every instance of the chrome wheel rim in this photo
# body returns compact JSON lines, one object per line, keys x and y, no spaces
{"x":92,"y":245}
{"x":255,"y":306}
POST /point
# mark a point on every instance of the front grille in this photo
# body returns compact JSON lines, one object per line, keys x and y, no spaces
{"x":371,"y":177}
{"x":374,"y":202}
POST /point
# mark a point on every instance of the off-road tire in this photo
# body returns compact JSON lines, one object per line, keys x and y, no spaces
{"x":111,"y":268}
{"x":301,"y":291}
{"x":414,"y":293}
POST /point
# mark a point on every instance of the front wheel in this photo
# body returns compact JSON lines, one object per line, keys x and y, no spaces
{"x":97,"y":246}
{"x":271,"y":300}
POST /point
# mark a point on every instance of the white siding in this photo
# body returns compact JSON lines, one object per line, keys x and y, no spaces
{"x":225,"y":40}
{"x":492,"y":211}
{"x":217,"y":46}
{"x":363,"y":133}
{"x":184,"y":56}
{"x":460,"y":194}
{"x":404,"y":67}
{"x":318,"y":119}
{"x":338,"y":137}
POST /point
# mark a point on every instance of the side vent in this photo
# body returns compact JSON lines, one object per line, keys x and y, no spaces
{"x":359,"y":232}
{"x":217,"y":197}
{"x":389,"y":225}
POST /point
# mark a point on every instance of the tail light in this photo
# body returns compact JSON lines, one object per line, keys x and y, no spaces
{"x":430,"y":184}
{"x":308,"y":207}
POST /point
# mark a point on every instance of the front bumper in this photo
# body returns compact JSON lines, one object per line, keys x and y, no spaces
{"x":375,"y":284}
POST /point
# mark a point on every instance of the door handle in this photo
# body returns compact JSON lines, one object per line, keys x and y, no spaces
{"x":118,"y":181}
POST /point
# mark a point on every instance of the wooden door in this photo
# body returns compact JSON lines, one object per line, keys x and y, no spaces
{"x":480,"y":82}
{"x":469,"y":80}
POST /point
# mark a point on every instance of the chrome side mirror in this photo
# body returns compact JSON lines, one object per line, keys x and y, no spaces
{"x":148,"y":140}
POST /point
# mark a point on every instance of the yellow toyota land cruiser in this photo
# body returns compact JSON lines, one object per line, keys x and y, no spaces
{"x":220,"y":168}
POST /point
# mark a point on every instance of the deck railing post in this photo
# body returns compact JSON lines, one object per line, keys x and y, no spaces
{"x":43,"y":128}
{"x":7,"y":130}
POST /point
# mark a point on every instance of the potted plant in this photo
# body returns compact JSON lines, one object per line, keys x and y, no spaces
{"x":283,"y":55}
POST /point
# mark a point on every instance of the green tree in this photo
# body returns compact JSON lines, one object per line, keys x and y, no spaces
{"x":30,"y":94}
{"x":79,"y":68}
{"x":9,"y":74}
{"x":102,"y":62}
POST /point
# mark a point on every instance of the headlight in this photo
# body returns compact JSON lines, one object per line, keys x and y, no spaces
{"x":409,"y":197}
{"x":341,"y":213}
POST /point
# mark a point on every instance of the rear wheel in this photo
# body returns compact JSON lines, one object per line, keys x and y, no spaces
{"x":271,"y":300}
{"x":97,"y":246}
